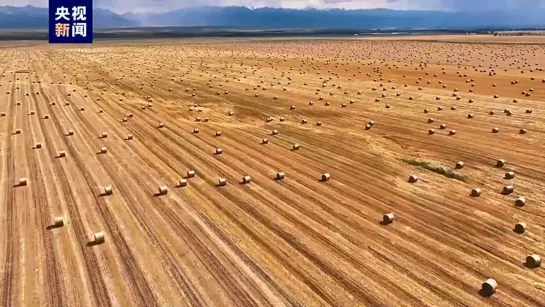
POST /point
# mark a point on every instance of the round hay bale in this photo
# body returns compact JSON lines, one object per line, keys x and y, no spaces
{"x":508,"y":190}
{"x":520,"y":202}
{"x":46,"y":116}
{"x":500,"y":163}
{"x":274,"y":132}
{"x":103,"y":150}
{"x":99,"y":237}
{"x":218,"y":133}
{"x":62,"y":154}
{"x":100,"y":111}
{"x":431,"y":131}
{"x":452,"y":132}
{"x":222,"y":182}
{"x":304,"y":121}
{"x":246,"y":179}
{"x":161,"y":125}
{"x":426,"y":111}
{"x":108,"y":190}
{"x":182,"y":183}
{"x":509,"y":175}
{"x":459,"y":165}
{"x":163,"y":190}
{"x":295,"y":147}
{"x":476,"y":192}
{"x":17,"y":131}
{"x":492,"y":113}
{"x":388,"y":218}
{"x":281,"y":119}
{"x":38,"y":145}
{"x":533,"y":261}
{"x":3,"y":114}
{"x":529,"y":111}
{"x":191,"y":174}
{"x":265,"y":141}
{"x":495,"y":130}
{"x":523,"y":131}
{"x":230,"y":113}
{"x":219,"y":151}
{"x":413,"y":178}
{"x":23,"y":181}
{"x":195,"y":130}
{"x":292,"y":108}
{"x":104,"y":135}
{"x":129,"y":137}
{"x":443,"y":126}
{"x":280,"y":176}
{"x":430,"y":120}
{"x":318,"y":123}
{"x":520,"y":227}
{"x":326,"y":177}
{"x":489,"y":287}
{"x":58,"y":221}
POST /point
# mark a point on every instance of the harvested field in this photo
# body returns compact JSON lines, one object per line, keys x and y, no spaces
{"x":134,"y":199}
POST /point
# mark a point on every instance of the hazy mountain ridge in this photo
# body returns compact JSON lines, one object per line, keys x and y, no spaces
{"x":236,"y":16}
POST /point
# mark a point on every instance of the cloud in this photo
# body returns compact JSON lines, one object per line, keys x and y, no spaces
{"x":164,"y":5}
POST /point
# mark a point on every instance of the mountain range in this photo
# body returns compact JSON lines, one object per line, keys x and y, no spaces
{"x":30,"y":17}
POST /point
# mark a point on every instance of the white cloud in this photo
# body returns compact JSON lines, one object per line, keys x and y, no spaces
{"x":163,"y":5}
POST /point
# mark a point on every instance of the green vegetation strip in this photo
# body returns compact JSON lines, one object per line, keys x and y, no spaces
{"x":436,"y":167}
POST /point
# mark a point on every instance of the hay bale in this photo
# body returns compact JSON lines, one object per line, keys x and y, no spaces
{"x":218,"y":133}
{"x":265,"y":141}
{"x":108,"y":190}
{"x":430,"y":120}
{"x":103,"y":150}
{"x":99,"y":237}
{"x":533,"y":261}
{"x":246,"y":179}
{"x":222,"y":182}
{"x":459,"y":165}
{"x":520,"y":227}
{"x":104,"y":135}
{"x":452,"y":132}
{"x":431,"y":131}
{"x":489,"y":287}
{"x":191,"y":174}
{"x":443,"y":126}
{"x":274,"y":132}
{"x":326,"y":177}
{"x":388,"y":218}
{"x":280,"y":176}
{"x":413,"y":178}
{"x":23,"y":181}
{"x":520,"y":202}
{"x":523,"y":131}
{"x":182,"y":183}
{"x":163,"y":190}
{"x":17,"y":131}
{"x":58,"y":221}
{"x":509,"y":175}
{"x":500,"y":163}
{"x":476,"y":192}
{"x":62,"y":154}
{"x":196,"y":130}
{"x":161,"y":125}
{"x":295,"y":147}
{"x":508,"y":190}
{"x":129,"y":137}
{"x":38,"y":145}
{"x":219,"y":151}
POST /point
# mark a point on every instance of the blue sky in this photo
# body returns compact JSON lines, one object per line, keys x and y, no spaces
{"x":162,"y":5}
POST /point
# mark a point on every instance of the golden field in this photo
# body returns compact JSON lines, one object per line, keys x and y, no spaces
{"x":124,"y":115}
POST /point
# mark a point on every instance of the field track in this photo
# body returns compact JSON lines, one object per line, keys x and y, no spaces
{"x":359,"y":110}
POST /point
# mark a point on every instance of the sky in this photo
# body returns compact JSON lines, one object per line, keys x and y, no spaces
{"x":122,"y":6}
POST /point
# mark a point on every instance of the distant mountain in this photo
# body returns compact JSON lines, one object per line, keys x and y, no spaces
{"x":30,"y":17}
{"x":236,"y":16}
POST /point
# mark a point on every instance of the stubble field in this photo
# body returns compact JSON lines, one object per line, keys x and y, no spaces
{"x":353,"y":109}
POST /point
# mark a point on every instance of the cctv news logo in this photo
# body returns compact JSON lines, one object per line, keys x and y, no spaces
{"x":71,"y":21}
